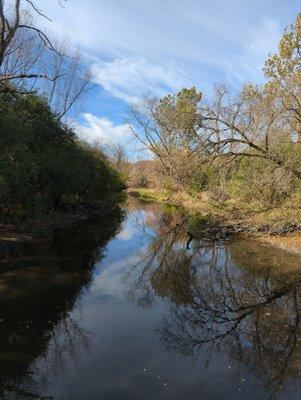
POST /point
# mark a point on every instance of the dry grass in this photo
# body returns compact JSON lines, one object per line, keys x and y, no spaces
{"x":248,"y":218}
{"x":150,"y":195}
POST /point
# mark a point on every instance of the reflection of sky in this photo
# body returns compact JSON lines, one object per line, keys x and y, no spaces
{"x":121,"y":252}
{"x":126,"y":359}
{"x":126,"y":234}
{"x":128,"y":241}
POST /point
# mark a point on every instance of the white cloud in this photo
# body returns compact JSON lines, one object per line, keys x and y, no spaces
{"x":159,"y":46}
{"x":249,"y":63}
{"x":129,"y":79}
{"x":265,"y":38}
{"x":101,"y":129}
{"x":126,"y":234}
{"x":264,"y":41}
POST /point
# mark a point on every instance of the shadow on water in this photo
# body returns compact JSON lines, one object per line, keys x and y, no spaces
{"x":218,"y":320}
{"x":39,"y":285}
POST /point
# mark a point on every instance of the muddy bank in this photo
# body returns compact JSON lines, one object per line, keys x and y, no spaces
{"x":275,"y":226}
{"x":66,"y":215}
{"x":285,"y":237}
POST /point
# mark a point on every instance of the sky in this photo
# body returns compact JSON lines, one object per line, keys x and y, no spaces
{"x":155,"y":47}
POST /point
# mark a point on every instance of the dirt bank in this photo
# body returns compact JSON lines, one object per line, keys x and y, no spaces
{"x":279,"y":227}
{"x":40,"y":229}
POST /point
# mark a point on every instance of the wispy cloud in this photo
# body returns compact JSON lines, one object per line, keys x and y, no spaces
{"x":137,"y":46}
{"x":263,"y":42}
{"x":156,"y":47}
{"x":131,"y":78}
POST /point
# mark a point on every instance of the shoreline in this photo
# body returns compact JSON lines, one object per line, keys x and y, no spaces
{"x":29,"y":231}
{"x":216,"y":226}
{"x":269,"y":227}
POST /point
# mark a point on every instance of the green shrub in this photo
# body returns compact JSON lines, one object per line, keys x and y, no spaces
{"x":42,"y":162}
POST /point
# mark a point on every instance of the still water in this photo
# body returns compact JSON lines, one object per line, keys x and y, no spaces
{"x":119,"y":308}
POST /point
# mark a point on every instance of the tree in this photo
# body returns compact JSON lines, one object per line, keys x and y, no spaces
{"x":65,"y":93}
{"x":117,"y":154}
{"x":249,"y":125}
{"x":284,"y":71}
{"x":10,"y":26}
{"x":167,"y":129}
{"x":42,"y":163}
{"x":32,"y":62}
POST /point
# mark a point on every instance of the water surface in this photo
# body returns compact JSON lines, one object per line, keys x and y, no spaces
{"x":119,"y":308}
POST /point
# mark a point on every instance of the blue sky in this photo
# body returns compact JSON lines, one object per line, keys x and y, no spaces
{"x":138,"y":47}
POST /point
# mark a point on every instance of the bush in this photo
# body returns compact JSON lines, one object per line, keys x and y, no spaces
{"x":43,"y":162}
{"x":260,"y":180}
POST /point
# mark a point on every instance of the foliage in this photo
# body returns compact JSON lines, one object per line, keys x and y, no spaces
{"x":42,"y":162}
{"x":169,"y":133}
{"x":243,"y":145}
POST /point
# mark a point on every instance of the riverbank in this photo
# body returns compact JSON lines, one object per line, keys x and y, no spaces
{"x":29,"y":230}
{"x":278,"y":227}
{"x":113,"y":295}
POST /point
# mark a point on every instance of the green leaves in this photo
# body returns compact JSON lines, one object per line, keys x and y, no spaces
{"x":288,"y":59}
{"x":178,"y":114}
{"x":42,"y":161}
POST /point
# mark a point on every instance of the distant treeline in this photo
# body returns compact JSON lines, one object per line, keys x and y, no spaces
{"x":43,"y":163}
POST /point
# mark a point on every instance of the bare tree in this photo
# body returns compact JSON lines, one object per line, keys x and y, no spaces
{"x":65,"y":93}
{"x":32,"y":62}
{"x":118,"y":156}
{"x":248,"y":125}
{"x":12,"y":22}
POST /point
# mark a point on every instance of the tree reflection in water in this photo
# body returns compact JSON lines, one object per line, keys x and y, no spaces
{"x":239,"y":298}
{"x":162,"y":261}
{"x":39,"y":285}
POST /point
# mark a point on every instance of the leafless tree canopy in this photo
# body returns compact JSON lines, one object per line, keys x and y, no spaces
{"x":31,"y":61}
